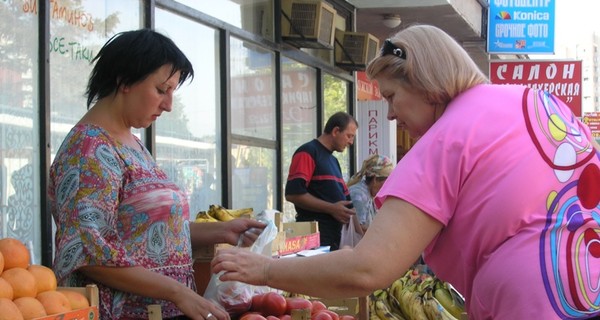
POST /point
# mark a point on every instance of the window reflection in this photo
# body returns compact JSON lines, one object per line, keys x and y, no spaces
{"x":335,"y":93}
{"x":252,"y":91}
{"x":255,"y":16}
{"x":253,"y":177}
{"x":299,"y":115}
{"x":187,"y":138}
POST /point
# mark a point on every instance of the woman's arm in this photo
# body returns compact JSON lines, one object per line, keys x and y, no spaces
{"x":144,"y":282}
{"x":396,"y":238}
{"x":210,"y":233}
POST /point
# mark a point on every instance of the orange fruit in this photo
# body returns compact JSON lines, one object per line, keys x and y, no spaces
{"x":1,"y":262}
{"x":21,"y":281}
{"x":15,"y":253}
{"x":54,"y":302}
{"x":10,"y":311}
{"x":6,"y":290}
{"x":45,"y":279}
{"x":30,"y":307}
{"x":77,"y":300}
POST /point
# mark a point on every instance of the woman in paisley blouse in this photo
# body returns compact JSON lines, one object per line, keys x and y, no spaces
{"x":121,"y":222}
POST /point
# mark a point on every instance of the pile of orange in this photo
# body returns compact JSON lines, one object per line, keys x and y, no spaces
{"x":29,"y":291}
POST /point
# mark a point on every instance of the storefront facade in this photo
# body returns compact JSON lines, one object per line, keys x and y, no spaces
{"x":232,"y":131}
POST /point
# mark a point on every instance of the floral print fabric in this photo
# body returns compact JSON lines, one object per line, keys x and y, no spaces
{"x":113,"y":206}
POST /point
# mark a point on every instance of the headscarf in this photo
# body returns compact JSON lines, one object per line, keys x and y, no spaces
{"x":374,"y":166}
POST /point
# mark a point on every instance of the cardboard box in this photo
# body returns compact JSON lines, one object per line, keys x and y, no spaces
{"x":298,"y":235}
{"x":91,"y":313}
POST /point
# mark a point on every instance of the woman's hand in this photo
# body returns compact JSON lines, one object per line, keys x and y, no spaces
{"x":241,"y":265}
{"x":242,"y":231}
{"x":196,"y":307}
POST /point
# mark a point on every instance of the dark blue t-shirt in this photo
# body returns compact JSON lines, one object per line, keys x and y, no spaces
{"x":315,"y":170}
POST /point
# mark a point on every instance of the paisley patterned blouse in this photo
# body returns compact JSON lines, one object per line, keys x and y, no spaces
{"x":113,"y":206}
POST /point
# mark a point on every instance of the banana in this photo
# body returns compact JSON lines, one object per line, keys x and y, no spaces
{"x":220,"y":213}
{"x":239,"y":213}
{"x":449,"y":298}
{"x":412,"y":304}
{"x":434,"y":309}
{"x":383,"y":312}
{"x":202,"y":216}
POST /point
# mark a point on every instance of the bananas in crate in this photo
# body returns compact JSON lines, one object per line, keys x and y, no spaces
{"x":219,"y":213}
{"x":416,"y":296}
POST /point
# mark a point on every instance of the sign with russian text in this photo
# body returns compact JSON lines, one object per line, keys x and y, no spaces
{"x":592,"y":120}
{"x":366,"y":89}
{"x":561,"y":78}
{"x":521,"y":26}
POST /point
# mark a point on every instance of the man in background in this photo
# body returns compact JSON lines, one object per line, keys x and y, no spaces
{"x":315,"y":184}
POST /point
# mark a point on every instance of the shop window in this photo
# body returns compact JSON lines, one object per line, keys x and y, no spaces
{"x":253,"y":177}
{"x":335,"y":95}
{"x":188,"y":138}
{"x":299,"y":115}
{"x":255,"y":16}
{"x":252,"y":90}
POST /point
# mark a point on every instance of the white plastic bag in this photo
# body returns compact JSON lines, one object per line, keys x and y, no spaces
{"x":236,"y":297}
{"x":350,"y":236}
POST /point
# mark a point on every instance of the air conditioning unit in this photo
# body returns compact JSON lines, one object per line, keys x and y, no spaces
{"x":354,"y":50}
{"x":257,"y":17}
{"x":309,"y":24}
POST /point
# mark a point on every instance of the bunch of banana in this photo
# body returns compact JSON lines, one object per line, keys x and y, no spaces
{"x":449,"y":298}
{"x":434,"y":309}
{"x":223,"y":214}
{"x":203,"y":216}
{"x":380,"y":307}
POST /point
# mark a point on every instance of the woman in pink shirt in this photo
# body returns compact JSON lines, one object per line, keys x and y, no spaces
{"x":500,"y":193}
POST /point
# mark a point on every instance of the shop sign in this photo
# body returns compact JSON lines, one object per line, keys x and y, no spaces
{"x":561,"y":78}
{"x":366,"y":89}
{"x":521,"y":26}
{"x":592,"y":120}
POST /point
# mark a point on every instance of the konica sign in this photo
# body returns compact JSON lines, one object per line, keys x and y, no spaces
{"x":521,"y":26}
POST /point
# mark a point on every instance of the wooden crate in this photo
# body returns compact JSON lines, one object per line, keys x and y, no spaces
{"x":92,"y":313}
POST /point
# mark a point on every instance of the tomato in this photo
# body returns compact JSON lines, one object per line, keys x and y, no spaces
{"x":273,"y":304}
{"x":257,"y":302}
{"x":252,"y":316}
{"x":333,"y":314}
{"x":321,"y":315}
{"x":318,"y":306}
{"x":285,"y":317}
{"x":297,"y":303}
{"x":272,"y":318}
{"x":347,"y":317}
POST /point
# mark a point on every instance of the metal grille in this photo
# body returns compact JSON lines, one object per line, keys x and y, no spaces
{"x":325,"y":32}
{"x":303,"y":19}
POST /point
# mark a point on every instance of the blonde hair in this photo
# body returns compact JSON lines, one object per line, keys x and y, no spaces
{"x":435,"y":64}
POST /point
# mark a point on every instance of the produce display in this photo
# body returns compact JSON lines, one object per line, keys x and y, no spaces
{"x":219,"y":213}
{"x":277,"y":306}
{"x":29,"y":291}
{"x":416,"y":296}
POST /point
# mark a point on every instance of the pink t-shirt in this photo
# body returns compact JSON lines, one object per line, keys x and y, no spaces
{"x":512,"y":175}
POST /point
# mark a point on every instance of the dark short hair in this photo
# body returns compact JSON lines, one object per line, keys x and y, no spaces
{"x":131,"y":56}
{"x":339,"y":119}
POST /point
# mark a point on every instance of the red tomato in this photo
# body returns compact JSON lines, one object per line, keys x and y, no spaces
{"x":274,"y":304}
{"x":320,"y":315}
{"x":297,"y":303}
{"x":318,"y":306}
{"x":252,"y":316}
{"x":257,"y":302}
{"x":272,"y":318}
{"x":347,"y":317}
{"x":285,"y":317}
{"x":333,"y":315}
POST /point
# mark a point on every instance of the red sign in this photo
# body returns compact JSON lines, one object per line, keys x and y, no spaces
{"x":365,"y":88}
{"x":561,"y":78}
{"x":592,"y":120}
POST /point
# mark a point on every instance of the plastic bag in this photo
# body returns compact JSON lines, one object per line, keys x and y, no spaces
{"x":234,"y":296}
{"x":350,"y":236}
